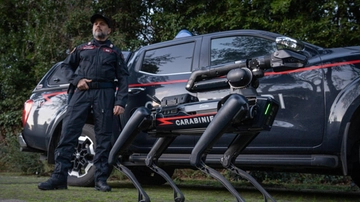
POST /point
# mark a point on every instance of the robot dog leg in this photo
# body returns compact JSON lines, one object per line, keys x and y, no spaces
{"x":156,"y":151}
{"x":141,"y":120}
{"x":137,"y":122}
{"x":236,"y":106}
{"x":238,"y":144}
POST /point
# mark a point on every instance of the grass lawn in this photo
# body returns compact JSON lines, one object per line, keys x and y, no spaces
{"x":24,"y":188}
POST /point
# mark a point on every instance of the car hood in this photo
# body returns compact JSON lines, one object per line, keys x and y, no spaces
{"x":332,"y":53}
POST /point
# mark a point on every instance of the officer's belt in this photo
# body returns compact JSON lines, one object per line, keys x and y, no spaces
{"x":99,"y":85}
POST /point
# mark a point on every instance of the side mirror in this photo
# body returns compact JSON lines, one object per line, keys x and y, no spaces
{"x":289,"y":55}
{"x":284,"y":60}
{"x":287,"y":43}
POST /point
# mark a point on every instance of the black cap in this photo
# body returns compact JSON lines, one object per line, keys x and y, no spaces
{"x":97,"y":16}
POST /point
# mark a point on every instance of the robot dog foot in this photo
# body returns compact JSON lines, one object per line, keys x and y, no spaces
{"x":160,"y":145}
{"x":142,"y":196}
{"x":248,"y":177}
{"x":215,"y":174}
{"x":178,"y":195}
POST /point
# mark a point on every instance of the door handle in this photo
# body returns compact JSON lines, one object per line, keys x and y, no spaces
{"x":136,"y":90}
{"x":56,"y":80}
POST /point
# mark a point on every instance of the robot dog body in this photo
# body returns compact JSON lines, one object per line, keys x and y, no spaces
{"x":242,"y":112}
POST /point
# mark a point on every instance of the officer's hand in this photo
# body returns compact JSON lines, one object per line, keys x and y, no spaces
{"x":118,"y":110}
{"x":82,"y":84}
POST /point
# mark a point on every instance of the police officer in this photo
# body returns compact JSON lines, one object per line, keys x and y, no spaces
{"x":92,"y":69}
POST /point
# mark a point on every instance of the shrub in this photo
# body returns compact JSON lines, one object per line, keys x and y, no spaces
{"x":12,"y":159}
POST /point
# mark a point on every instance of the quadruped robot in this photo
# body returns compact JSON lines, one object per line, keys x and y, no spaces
{"x":242,"y":112}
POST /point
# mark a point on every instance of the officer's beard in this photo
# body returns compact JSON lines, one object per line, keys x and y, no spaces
{"x":99,"y":35}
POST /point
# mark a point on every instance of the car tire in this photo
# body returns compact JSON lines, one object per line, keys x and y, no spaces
{"x":148,"y":177}
{"x":83,"y":170}
{"x":355,"y":175}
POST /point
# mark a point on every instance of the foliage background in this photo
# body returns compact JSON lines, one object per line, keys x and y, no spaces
{"x":35,"y":34}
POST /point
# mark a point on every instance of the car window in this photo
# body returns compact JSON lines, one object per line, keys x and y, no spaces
{"x":169,"y":60}
{"x":230,"y":49}
{"x":57,"y":77}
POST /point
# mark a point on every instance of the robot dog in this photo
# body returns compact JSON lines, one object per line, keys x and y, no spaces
{"x":242,"y":112}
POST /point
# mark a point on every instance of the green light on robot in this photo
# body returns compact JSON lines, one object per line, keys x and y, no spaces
{"x":267,"y":109}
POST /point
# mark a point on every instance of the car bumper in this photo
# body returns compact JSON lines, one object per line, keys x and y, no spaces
{"x":23,"y":145}
{"x":21,"y":141}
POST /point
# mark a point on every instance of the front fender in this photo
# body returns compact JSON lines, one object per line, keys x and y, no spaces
{"x":342,"y":110}
{"x":53,"y":133}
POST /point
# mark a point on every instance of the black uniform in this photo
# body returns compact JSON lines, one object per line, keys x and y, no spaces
{"x":100,"y":62}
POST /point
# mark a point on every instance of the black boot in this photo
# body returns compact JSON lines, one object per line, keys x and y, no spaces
{"x":102,"y":186}
{"x":53,"y":183}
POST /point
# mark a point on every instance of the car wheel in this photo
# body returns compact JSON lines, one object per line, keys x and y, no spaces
{"x":148,"y":177}
{"x":355,"y":175}
{"x":83,"y":170}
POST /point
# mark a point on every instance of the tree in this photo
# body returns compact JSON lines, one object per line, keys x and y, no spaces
{"x":325,"y":23}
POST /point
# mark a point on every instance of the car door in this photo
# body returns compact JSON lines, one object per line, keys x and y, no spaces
{"x":159,"y":71}
{"x":299,"y":123}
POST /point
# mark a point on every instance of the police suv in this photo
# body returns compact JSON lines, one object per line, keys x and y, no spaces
{"x":316,"y":129}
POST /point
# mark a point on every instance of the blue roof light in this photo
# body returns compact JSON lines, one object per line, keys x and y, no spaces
{"x":183,"y":33}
